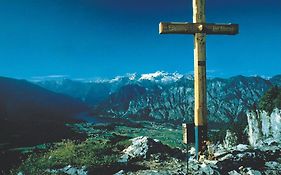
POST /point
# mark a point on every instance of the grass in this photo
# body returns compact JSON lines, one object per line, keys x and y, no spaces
{"x":167,"y":135}
{"x":90,"y":153}
{"x":101,"y":149}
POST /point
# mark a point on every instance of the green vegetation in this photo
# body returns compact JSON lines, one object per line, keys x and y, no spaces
{"x":167,"y":134}
{"x":271,"y":100}
{"x":100,"y":150}
{"x":235,"y":127}
{"x":90,"y":153}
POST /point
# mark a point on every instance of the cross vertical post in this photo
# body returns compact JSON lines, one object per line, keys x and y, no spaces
{"x":200,"y":107}
{"x":199,"y":28}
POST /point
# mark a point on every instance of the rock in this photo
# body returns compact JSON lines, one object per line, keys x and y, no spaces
{"x":233,"y":173}
{"x":138,"y":149}
{"x":230,"y":140}
{"x":20,"y":173}
{"x":192,"y":151}
{"x":252,"y":172}
{"x":143,"y":147}
{"x":233,"y":161}
{"x":271,"y":141}
{"x":242,"y":147}
{"x":273,"y":165}
{"x":69,"y":170}
{"x":121,"y":172}
{"x":206,"y":169}
{"x":193,"y":165}
{"x":211,"y":162}
{"x":151,"y":172}
{"x":264,"y":128}
{"x":220,"y":151}
{"x":226,"y":157}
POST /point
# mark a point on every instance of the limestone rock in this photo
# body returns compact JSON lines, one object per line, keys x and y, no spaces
{"x":263,"y":126}
{"x":69,"y":170}
{"x":138,"y":149}
{"x":233,"y":173}
{"x":230,"y":139}
{"x":143,"y":147}
{"x":242,"y":147}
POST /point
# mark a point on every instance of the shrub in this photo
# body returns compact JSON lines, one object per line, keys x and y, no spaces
{"x":271,"y":100}
{"x":90,"y":153}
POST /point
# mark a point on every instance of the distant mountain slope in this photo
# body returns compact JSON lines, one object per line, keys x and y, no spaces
{"x":228,"y":100}
{"x":276,"y":80}
{"x":120,"y":101}
{"x":169,"y":96}
{"x":21,"y":100}
{"x":94,"y":92}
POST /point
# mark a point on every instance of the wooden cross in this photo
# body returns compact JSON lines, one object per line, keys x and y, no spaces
{"x":199,"y":28}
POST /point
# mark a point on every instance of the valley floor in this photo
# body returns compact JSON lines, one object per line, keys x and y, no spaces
{"x":98,"y":149}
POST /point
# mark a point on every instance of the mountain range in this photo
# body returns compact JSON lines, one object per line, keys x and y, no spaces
{"x":24,"y":101}
{"x":166,"y":97}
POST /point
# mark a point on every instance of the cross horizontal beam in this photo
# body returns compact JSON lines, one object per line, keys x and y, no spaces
{"x":192,"y":28}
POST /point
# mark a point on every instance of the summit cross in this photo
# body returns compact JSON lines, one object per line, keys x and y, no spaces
{"x":199,"y":28}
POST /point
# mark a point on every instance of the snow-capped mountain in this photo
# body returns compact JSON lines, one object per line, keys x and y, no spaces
{"x":95,"y":91}
{"x":161,"y":76}
{"x":158,"y":76}
{"x":166,"y":96}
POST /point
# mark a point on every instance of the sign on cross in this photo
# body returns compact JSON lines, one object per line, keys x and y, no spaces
{"x":199,"y":28}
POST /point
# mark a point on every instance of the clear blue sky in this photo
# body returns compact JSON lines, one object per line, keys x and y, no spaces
{"x":104,"y":38}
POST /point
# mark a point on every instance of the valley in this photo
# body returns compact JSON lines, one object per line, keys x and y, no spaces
{"x":62,"y":126}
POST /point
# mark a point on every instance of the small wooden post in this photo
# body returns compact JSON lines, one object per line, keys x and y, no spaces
{"x":185,"y":133}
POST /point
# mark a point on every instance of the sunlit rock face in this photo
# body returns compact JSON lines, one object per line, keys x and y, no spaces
{"x":263,"y":127}
{"x":228,"y":100}
{"x":166,"y":97}
{"x":230,"y":139}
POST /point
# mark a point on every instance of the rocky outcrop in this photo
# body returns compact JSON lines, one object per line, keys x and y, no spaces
{"x":230,"y":140}
{"x":149,"y":156}
{"x":238,"y":160}
{"x":143,"y":148}
{"x":264,"y":127}
{"x":138,"y":150}
{"x":261,"y":157}
{"x":70,"y":170}
{"x":152,"y":157}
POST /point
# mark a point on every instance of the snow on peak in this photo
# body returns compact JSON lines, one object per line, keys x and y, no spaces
{"x":117,"y":78}
{"x":130,"y":76}
{"x":161,"y":76}
{"x":152,"y":76}
{"x":158,"y":76}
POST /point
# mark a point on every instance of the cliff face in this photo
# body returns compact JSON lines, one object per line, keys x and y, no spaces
{"x":228,"y":100}
{"x":167,"y":97}
{"x":263,"y":127}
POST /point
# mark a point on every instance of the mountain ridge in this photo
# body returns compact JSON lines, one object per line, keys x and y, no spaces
{"x":22,"y":100}
{"x":228,"y":98}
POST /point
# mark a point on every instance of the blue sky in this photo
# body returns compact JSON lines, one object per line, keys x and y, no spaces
{"x":105,"y":38}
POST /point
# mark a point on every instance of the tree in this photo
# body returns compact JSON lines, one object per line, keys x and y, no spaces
{"x":271,"y":100}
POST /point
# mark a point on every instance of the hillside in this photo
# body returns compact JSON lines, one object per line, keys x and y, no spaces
{"x":228,"y":100}
{"x":24,"y":101}
{"x":31,"y":115}
{"x":166,"y":96}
